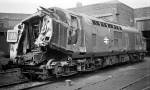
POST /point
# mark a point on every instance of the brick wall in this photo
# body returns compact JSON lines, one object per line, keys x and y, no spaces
{"x":142,"y":12}
{"x":126,"y":14}
{"x":113,"y":11}
{"x":142,"y":18}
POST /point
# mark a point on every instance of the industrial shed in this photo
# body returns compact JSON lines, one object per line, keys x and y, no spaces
{"x":7,"y":22}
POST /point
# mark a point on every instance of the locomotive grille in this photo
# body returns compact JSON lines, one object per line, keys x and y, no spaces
{"x":59,"y":37}
{"x":55,"y":35}
{"x":63,"y":35}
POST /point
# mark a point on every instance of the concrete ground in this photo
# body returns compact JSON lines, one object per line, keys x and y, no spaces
{"x":124,"y":77}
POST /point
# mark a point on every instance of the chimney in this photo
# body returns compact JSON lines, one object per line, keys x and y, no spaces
{"x":79,"y":4}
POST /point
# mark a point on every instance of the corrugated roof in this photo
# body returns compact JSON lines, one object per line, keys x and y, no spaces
{"x":13,"y":16}
{"x":9,"y":20}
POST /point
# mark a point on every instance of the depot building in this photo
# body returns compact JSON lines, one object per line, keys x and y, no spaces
{"x":7,"y":22}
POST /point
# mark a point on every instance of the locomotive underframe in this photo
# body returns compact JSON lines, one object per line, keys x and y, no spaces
{"x":84,"y":64}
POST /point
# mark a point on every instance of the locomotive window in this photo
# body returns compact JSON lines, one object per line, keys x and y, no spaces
{"x":110,"y":26}
{"x":120,"y":28}
{"x":74,"y":22}
{"x":103,"y":24}
{"x":106,"y":25}
{"x":95,"y":22}
{"x":73,"y":33}
{"x":115,"y":27}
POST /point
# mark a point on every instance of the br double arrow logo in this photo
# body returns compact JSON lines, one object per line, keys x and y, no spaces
{"x":106,"y":40}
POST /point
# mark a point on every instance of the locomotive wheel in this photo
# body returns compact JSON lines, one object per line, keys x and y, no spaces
{"x":58,"y":71}
{"x":45,"y":73}
{"x":141,"y":57}
{"x":28,"y":75}
{"x":43,"y":76}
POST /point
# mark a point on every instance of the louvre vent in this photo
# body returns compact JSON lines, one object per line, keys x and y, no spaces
{"x":59,"y":37}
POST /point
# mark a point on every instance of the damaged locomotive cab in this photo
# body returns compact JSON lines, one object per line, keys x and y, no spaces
{"x":36,"y":35}
{"x":45,"y":33}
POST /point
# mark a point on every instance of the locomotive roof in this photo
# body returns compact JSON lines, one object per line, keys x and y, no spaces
{"x":126,"y":28}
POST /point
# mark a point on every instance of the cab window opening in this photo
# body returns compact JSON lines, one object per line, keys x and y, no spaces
{"x":73,"y":32}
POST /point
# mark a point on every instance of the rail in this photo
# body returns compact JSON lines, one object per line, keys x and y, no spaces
{"x":132,"y":83}
{"x":10,"y":71}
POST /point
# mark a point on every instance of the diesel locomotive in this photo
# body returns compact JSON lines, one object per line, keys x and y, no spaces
{"x":57,"y":42}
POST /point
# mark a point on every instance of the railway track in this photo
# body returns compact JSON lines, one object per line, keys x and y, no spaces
{"x":10,"y":71}
{"x":135,"y":82}
{"x":13,"y":84}
{"x":146,"y":88}
{"x":28,"y":84}
{"x":25,"y":85}
{"x":8,"y":74}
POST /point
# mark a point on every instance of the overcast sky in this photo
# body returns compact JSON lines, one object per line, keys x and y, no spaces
{"x":30,"y":6}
